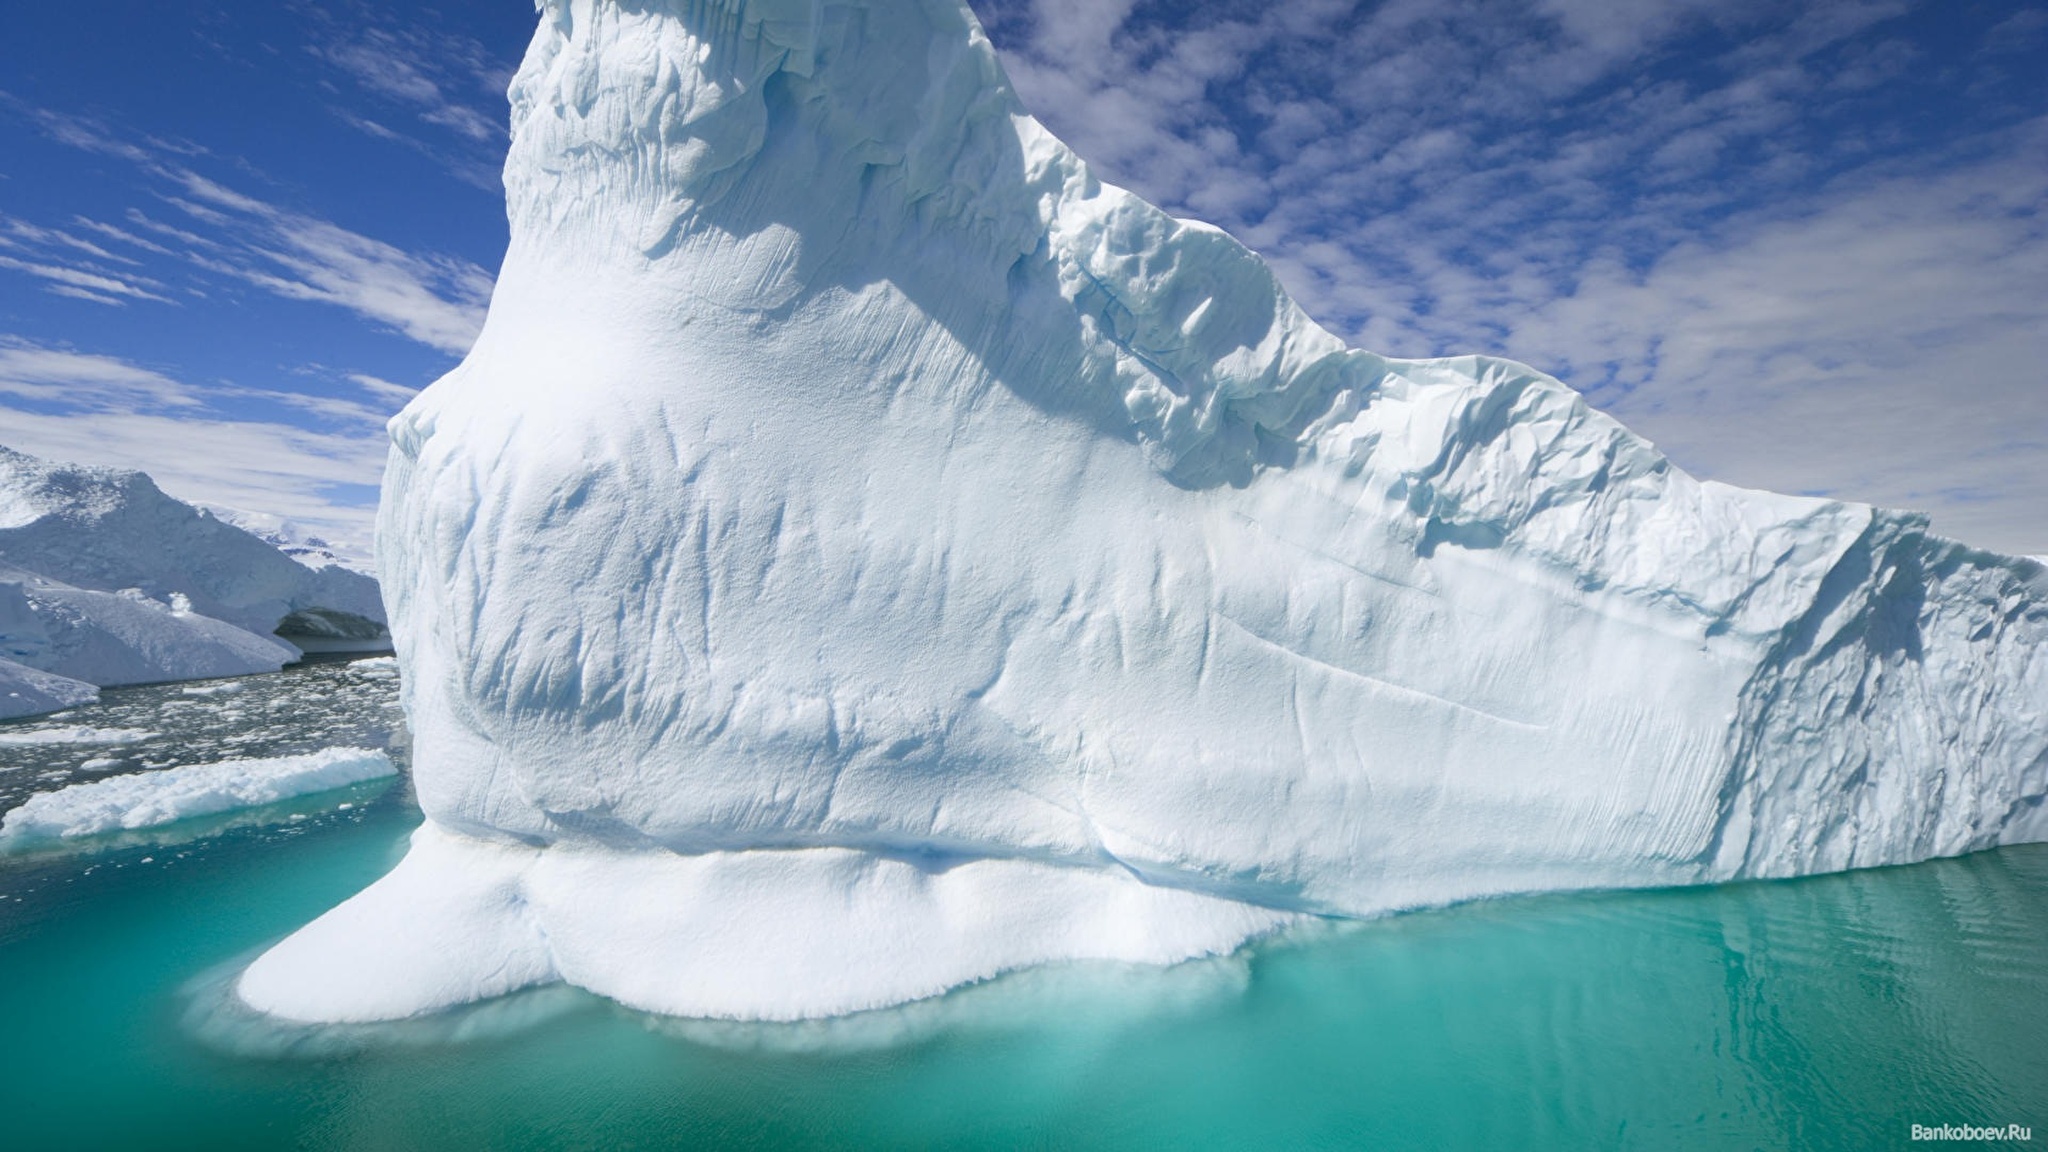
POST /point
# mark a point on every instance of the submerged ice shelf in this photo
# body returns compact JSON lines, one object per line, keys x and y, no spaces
{"x":865,"y":553}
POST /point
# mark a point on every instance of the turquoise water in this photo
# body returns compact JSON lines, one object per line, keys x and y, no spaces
{"x":1834,"y":1012}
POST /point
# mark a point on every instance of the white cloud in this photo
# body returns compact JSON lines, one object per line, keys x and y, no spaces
{"x":99,"y":286}
{"x":397,"y":394}
{"x":122,"y":235}
{"x":438,"y":301}
{"x":73,"y":266}
{"x":57,"y":237}
{"x":74,"y":292}
{"x":262,"y":467}
{"x":439,"y":93}
{"x":97,"y":409}
{"x":35,"y":372}
{"x":1730,"y":251}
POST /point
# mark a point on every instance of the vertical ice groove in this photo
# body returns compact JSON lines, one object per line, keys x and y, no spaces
{"x":865,"y":553}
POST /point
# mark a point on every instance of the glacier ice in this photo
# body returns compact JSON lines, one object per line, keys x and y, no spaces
{"x":26,"y":691}
{"x":148,"y":799}
{"x":124,"y":637}
{"x":105,"y":580}
{"x":109,"y":528}
{"x":864,"y":553}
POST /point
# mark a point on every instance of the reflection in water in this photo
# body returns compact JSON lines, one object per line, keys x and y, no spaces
{"x":1833,"y":1012}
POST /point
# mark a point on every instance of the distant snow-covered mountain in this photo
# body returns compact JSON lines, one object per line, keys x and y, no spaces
{"x":105,"y":580}
{"x":294,"y":541}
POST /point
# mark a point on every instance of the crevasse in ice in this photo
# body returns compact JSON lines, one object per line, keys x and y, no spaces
{"x":864,"y":553}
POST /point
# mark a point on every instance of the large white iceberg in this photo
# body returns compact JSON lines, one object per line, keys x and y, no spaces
{"x":864,"y":553}
{"x":105,"y":580}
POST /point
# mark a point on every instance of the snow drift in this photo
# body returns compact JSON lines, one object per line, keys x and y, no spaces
{"x":105,"y":580}
{"x":864,"y":553}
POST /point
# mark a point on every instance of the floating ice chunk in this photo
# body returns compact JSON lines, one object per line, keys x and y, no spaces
{"x":104,"y":580}
{"x":124,"y":637}
{"x":74,"y":734}
{"x":146,"y":799}
{"x":223,"y":688}
{"x":376,"y":668}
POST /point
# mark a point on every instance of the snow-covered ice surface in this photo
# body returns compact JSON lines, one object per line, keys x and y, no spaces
{"x":124,"y":637}
{"x":864,"y":553}
{"x":217,"y":688}
{"x":106,"y":581}
{"x":108,"y":529}
{"x":150,"y":799}
{"x":26,"y":691}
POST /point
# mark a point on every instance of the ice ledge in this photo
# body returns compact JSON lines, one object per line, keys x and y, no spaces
{"x":755,"y":935}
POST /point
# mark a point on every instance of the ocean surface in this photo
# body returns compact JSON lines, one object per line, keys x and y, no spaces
{"x":1834,"y":1012}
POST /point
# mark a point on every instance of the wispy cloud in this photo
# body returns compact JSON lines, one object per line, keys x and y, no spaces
{"x":436,"y":300}
{"x":306,"y":443}
{"x":51,"y":375}
{"x":81,"y":283}
{"x":120,"y":235}
{"x":1716,"y":218}
{"x":70,"y":265}
{"x":417,"y":84}
{"x":385,"y":390}
{"x":65,"y":404}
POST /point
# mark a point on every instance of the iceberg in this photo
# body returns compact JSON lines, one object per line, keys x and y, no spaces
{"x":105,"y":580}
{"x":864,"y":553}
{"x":26,"y":691}
{"x":109,"y":528}
{"x":124,"y":637}
{"x":150,"y":799}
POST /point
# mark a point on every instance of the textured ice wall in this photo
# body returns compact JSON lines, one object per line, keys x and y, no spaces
{"x":861,"y":540}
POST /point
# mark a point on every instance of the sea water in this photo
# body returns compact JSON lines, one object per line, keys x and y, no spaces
{"x":1834,"y":1012}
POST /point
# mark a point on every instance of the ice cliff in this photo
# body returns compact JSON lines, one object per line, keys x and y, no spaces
{"x":864,"y":552}
{"x":105,"y":580}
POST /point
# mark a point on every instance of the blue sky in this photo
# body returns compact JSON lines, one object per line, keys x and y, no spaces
{"x":1801,"y":246}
